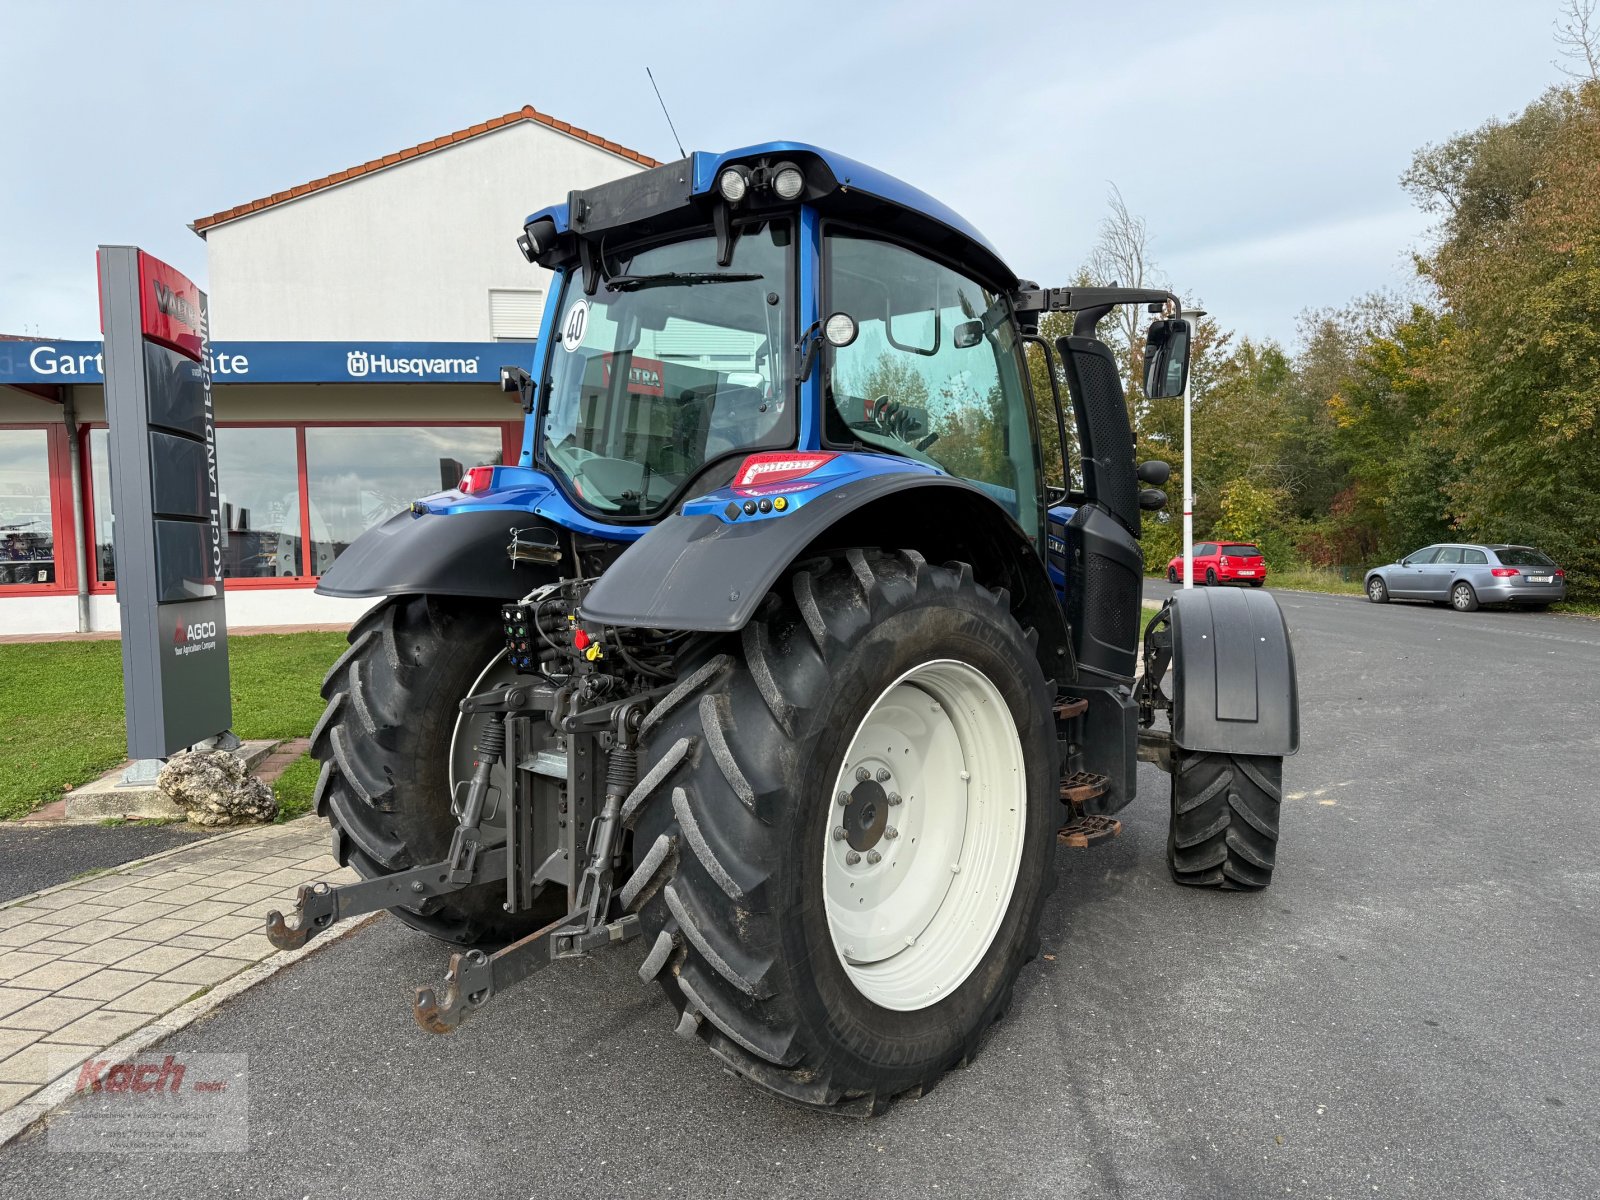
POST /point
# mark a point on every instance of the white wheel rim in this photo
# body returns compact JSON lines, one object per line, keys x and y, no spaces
{"x":1461,"y":597}
{"x":1375,"y":589}
{"x":915,"y":912}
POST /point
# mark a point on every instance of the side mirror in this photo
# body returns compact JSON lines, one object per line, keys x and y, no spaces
{"x":968,"y":334}
{"x":1166,"y":358}
{"x":1152,"y":499}
{"x":1155,"y":472}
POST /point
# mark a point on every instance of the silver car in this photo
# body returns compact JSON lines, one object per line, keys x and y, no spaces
{"x":1465,"y":576}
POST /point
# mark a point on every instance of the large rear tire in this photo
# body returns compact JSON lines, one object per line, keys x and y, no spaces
{"x":385,"y":744}
{"x":1224,"y":829}
{"x":921,"y":681}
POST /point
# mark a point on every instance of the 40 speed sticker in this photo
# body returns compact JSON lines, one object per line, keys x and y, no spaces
{"x":573,"y":325}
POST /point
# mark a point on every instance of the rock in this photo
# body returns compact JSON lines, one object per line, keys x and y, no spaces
{"x":214,"y":788}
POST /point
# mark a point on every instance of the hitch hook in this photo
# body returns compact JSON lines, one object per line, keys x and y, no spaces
{"x":314,"y":906}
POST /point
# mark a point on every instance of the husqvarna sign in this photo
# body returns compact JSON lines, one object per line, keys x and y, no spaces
{"x":63,"y":362}
{"x":164,"y":493}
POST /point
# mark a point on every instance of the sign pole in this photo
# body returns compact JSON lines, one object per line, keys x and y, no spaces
{"x":168,"y":520}
{"x":1192,"y":315}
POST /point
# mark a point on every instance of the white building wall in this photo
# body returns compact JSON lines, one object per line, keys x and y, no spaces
{"x":408,"y":253}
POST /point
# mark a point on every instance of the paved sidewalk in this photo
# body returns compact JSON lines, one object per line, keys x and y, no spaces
{"x":86,"y":964}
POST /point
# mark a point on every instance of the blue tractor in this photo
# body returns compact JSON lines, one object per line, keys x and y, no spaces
{"x":774,"y":649}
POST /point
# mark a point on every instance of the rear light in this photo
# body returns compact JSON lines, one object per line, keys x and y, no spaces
{"x":477,"y":479}
{"x":1224,"y":560}
{"x":760,"y":470}
{"x":1560,"y":574}
{"x":1504,"y":572}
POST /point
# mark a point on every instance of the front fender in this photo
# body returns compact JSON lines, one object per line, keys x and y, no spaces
{"x":1234,"y":689}
{"x":459,"y":553}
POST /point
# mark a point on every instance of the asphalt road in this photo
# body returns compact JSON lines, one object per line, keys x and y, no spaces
{"x":1410,"y":1010}
{"x":37,"y":856}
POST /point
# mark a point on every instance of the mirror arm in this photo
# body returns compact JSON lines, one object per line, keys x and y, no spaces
{"x":806,"y":349}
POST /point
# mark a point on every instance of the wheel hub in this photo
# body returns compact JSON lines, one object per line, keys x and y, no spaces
{"x":866,"y":816}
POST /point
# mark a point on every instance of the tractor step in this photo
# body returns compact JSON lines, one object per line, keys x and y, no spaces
{"x":1081,"y":786}
{"x":1081,"y":832}
{"x":1067,"y":709}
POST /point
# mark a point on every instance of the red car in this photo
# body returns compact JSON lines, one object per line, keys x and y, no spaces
{"x":1223,"y":562}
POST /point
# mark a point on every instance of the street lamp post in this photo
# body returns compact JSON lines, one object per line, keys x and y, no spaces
{"x":1192,"y":315}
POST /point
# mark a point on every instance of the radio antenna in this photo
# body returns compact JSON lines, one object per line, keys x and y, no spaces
{"x":665,"y":113}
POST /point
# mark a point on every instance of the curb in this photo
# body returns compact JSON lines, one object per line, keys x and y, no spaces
{"x":42,"y":1103}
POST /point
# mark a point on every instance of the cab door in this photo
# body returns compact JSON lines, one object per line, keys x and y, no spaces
{"x":1405,"y":577}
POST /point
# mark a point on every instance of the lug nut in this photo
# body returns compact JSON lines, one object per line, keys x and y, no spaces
{"x":843,"y":798}
{"x":862,"y":774}
{"x":883,"y":774}
{"x":890,"y":832}
{"x":873,"y":857}
{"x":852,"y":858}
{"x":894,"y":798}
{"x":840,"y":833}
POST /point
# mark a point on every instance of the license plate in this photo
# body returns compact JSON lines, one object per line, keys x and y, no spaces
{"x":1541,"y":578}
{"x":1247,"y":572}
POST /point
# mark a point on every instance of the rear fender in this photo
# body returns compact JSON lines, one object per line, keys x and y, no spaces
{"x":704,"y":571}
{"x":1234,"y":689}
{"x":456,"y":553}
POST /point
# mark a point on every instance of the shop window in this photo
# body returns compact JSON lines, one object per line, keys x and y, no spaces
{"x":258,"y":475}
{"x":27,"y":531}
{"x":357,"y":477}
{"x":514,"y":316}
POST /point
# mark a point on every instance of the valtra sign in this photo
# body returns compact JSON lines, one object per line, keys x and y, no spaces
{"x":165,"y":497}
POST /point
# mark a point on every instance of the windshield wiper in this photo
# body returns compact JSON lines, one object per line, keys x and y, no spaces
{"x":635,"y":283}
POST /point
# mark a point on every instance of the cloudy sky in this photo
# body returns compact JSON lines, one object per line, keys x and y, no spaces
{"x":1261,"y":141}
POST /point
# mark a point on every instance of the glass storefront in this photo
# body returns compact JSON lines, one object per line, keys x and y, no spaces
{"x":351,"y":478}
{"x":27,"y":530}
{"x":356,"y":478}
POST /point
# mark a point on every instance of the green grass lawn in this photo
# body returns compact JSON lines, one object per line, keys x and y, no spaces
{"x":61,"y":707}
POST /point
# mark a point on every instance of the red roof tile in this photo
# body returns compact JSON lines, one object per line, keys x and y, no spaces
{"x":525,"y":113}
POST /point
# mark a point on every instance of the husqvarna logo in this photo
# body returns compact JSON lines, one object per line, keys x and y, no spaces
{"x":357,"y":363}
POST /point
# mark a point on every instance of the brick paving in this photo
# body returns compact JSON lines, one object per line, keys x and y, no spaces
{"x":86,"y":964}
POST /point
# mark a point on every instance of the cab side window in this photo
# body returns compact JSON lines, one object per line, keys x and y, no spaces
{"x":1473,"y":558}
{"x":1421,"y":558}
{"x":1450,"y":554}
{"x":935,"y":372}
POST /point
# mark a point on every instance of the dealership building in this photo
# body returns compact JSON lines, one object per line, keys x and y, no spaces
{"x":359,"y":323}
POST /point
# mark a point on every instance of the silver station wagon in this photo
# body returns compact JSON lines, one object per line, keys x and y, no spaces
{"x":1465,"y":576}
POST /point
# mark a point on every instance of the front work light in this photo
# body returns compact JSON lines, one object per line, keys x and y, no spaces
{"x":733,"y":185}
{"x":788,"y":182}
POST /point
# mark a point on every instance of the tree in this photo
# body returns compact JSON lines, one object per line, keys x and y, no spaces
{"x":1517,"y":263}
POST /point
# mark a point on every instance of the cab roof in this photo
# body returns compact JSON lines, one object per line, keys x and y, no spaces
{"x":856,"y":181}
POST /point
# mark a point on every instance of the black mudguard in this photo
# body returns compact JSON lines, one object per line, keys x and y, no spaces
{"x":441,"y":554}
{"x":1233,"y":679}
{"x":700,"y":573}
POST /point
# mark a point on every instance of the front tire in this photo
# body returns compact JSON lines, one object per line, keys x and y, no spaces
{"x":921,"y":679}
{"x":385,"y":743}
{"x":1172,"y":574}
{"x":1224,"y":827}
{"x":1377,"y":590}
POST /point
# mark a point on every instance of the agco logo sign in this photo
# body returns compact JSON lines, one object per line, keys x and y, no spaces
{"x":189,"y":639}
